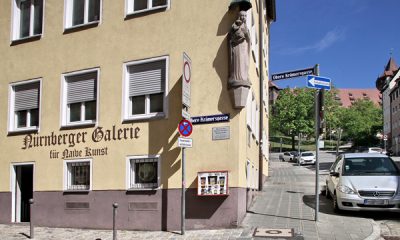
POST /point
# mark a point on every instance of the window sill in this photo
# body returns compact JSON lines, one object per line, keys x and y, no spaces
{"x":140,"y":117}
{"x":129,"y":15}
{"x":76,"y":191}
{"x":78,"y":125}
{"x":142,"y":189}
{"x":22,"y":131}
{"x":26,"y":39}
{"x":79,"y":27}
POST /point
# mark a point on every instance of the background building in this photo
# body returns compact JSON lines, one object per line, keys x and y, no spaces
{"x":90,"y":101}
{"x":386,"y":83}
{"x":347,"y":97}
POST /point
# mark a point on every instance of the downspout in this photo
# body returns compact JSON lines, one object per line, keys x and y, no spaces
{"x":261,"y":63}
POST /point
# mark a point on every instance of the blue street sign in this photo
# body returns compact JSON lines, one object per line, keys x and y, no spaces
{"x":318,"y":82}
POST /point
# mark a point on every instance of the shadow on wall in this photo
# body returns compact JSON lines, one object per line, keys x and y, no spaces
{"x":201,"y":207}
{"x":163,"y":138}
{"x":221,"y":62}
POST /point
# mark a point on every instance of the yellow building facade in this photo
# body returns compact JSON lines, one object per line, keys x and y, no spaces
{"x":91,"y":99}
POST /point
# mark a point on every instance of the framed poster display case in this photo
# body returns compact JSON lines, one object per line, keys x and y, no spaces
{"x":212,"y":183}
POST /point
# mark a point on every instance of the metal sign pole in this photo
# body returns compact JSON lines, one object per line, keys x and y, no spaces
{"x":317,"y":122}
{"x":316,"y":154}
{"x":183,"y":194}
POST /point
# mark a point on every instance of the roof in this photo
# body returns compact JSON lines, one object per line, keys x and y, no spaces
{"x":390,"y":68}
{"x":271,"y":84}
{"x":347,"y":95}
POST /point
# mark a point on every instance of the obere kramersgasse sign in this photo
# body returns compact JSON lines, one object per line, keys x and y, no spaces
{"x":293,"y":74}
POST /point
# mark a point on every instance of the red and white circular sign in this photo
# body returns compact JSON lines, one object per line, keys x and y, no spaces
{"x":187,"y":72}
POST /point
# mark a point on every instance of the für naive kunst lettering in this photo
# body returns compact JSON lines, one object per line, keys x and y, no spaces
{"x":99,"y":134}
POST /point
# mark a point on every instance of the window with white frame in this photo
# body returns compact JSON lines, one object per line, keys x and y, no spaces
{"x":248,"y":110}
{"x":24,"y":106}
{"x":138,"y":6}
{"x":27,"y":18}
{"x":81,"y":12}
{"x":252,"y":115}
{"x":77,"y":175}
{"x":143,"y":172}
{"x":145,"y":88}
{"x":80,"y":98}
{"x":248,"y":174}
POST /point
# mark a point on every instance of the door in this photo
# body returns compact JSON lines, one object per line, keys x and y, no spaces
{"x":22,"y":192}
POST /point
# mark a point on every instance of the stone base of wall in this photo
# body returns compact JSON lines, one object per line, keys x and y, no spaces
{"x":5,"y":207}
{"x":137,"y":210}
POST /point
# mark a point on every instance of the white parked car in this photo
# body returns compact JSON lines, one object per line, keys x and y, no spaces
{"x":376,"y":150}
{"x":364,"y":181}
{"x":306,"y":158}
{"x":288,"y":156}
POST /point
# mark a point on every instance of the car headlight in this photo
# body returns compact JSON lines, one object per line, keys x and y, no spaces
{"x":345,"y":189}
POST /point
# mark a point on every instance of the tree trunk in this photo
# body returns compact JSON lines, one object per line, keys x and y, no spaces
{"x":293,"y":143}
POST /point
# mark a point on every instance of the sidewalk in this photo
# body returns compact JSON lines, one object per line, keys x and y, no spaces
{"x":288,"y":201}
{"x":21,"y":232}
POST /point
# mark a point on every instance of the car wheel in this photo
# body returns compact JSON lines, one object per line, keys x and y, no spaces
{"x":335,"y":204}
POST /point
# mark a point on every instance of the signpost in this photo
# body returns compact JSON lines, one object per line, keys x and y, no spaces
{"x":384,"y":141}
{"x":185,"y":142}
{"x":185,"y":127}
{"x":186,"y":78}
{"x":318,"y":82}
{"x":210,"y":119}
{"x":293,"y":74}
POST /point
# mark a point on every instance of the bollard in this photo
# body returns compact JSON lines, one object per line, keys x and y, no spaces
{"x":31,"y":234}
{"x":115,"y":206}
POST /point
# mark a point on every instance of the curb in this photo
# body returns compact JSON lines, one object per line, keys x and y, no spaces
{"x":376,"y":232}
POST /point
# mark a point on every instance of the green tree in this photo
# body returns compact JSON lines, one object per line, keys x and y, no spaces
{"x":293,"y":112}
{"x":361,"y":122}
{"x":332,"y":111}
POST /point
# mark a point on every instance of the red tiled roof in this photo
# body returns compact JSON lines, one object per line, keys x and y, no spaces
{"x":347,"y":96}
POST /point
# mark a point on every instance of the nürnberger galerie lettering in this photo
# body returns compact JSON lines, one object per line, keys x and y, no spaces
{"x":99,"y":134}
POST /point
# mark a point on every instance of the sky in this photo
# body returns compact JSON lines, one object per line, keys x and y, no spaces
{"x":351,"y":40}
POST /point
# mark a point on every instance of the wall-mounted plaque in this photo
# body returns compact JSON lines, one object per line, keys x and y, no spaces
{"x":221,"y":133}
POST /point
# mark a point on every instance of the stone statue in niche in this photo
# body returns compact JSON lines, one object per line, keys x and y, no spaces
{"x":239,"y":47}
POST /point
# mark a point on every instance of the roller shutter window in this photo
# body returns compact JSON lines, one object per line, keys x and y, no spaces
{"x":81,"y":97}
{"x":146,"y":87}
{"x":26,"y":105}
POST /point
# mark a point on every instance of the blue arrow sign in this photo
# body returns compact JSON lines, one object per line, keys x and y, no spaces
{"x":318,"y":82}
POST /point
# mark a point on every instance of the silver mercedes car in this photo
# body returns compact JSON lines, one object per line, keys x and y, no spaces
{"x":364,"y":181}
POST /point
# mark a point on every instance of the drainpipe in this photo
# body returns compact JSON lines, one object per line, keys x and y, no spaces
{"x":261,"y":62}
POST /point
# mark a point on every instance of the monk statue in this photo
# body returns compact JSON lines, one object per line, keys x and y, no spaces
{"x":239,"y":47}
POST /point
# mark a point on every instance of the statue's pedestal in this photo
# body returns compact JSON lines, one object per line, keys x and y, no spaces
{"x":239,"y":96}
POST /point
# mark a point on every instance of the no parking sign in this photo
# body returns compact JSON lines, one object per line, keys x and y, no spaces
{"x":185,"y":128}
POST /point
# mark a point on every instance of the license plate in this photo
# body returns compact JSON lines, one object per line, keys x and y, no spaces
{"x":373,"y":202}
